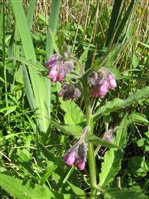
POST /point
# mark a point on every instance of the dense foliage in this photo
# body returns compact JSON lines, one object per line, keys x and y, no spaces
{"x":41,"y":122}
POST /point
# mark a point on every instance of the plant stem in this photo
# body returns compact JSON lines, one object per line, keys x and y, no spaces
{"x":91,"y":157}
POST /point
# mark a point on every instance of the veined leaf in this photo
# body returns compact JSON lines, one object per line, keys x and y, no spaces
{"x":18,"y":189}
{"x":77,"y":190}
{"x":74,"y":130}
{"x":125,"y":193}
{"x":73,"y":114}
{"x":117,"y":103}
{"x":112,"y":158}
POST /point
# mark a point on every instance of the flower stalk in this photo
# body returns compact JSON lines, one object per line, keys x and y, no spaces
{"x":91,"y":157}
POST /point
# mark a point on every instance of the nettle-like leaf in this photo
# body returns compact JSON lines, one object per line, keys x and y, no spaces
{"x":77,"y":190}
{"x":73,"y":113}
{"x":117,"y":103}
{"x":113,"y":157}
{"x":125,"y":193}
{"x":75,"y":130}
{"x":19,"y":189}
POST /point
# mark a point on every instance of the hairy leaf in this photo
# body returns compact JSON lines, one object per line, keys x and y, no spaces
{"x":125,"y":193}
{"x":77,"y":190}
{"x":73,"y":114}
{"x":117,"y":103}
{"x":19,"y":189}
{"x":112,"y":158}
{"x":75,"y":130}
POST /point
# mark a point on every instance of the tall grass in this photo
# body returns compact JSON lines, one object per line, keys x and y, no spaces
{"x":35,"y":123}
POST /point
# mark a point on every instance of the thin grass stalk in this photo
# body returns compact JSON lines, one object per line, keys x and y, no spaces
{"x":30,"y":12}
{"x":3,"y":53}
{"x":53,"y":21}
{"x":113,"y":21}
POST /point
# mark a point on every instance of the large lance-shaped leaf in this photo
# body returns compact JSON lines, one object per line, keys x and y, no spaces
{"x":75,"y":130}
{"x":117,"y":103}
{"x":125,"y":193}
{"x":73,"y":113}
{"x":113,"y":157}
{"x":21,"y":190}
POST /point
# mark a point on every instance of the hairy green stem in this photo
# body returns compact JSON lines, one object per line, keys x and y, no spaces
{"x":91,"y":157}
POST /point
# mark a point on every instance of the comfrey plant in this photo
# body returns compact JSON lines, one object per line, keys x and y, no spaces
{"x":89,"y":85}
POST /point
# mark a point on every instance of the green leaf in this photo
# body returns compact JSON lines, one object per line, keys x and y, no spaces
{"x":108,"y":58}
{"x":34,"y":84}
{"x":50,"y":157}
{"x":114,"y":157}
{"x":137,"y":117}
{"x":125,"y":193}
{"x":121,"y":26}
{"x":74,"y":130}
{"x":48,"y":173}
{"x":30,"y":12}
{"x":77,"y":190}
{"x":73,"y":114}
{"x":117,"y":103}
{"x":137,"y":166}
{"x":113,"y":21}
{"x":19,"y":189}
{"x":53,"y":21}
{"x":98,"y":141}
{"x":8,"y":110}
{"x":37,"y":66}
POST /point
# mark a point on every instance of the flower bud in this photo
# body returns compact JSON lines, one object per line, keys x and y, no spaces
{"x":69,"y":91}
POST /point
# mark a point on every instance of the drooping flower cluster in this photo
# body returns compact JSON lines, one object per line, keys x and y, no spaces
{"x":58,"y":68}
{"x":69,"y":91}
{"x":101,"y":82}
{"x":77,"y":155}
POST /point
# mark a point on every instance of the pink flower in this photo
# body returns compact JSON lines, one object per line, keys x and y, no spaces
{"x":76,"y":155}
{"x":69,"y":158}
{"x":58,"y":68}
{"x":80,"y":164}
{"x":52,"y":60}
{"x":101,"y":82}
{"x":112,"y":82}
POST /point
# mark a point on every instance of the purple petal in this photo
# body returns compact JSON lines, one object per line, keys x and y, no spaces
{"x":112,"y":82}
{"x":69,"y":158}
